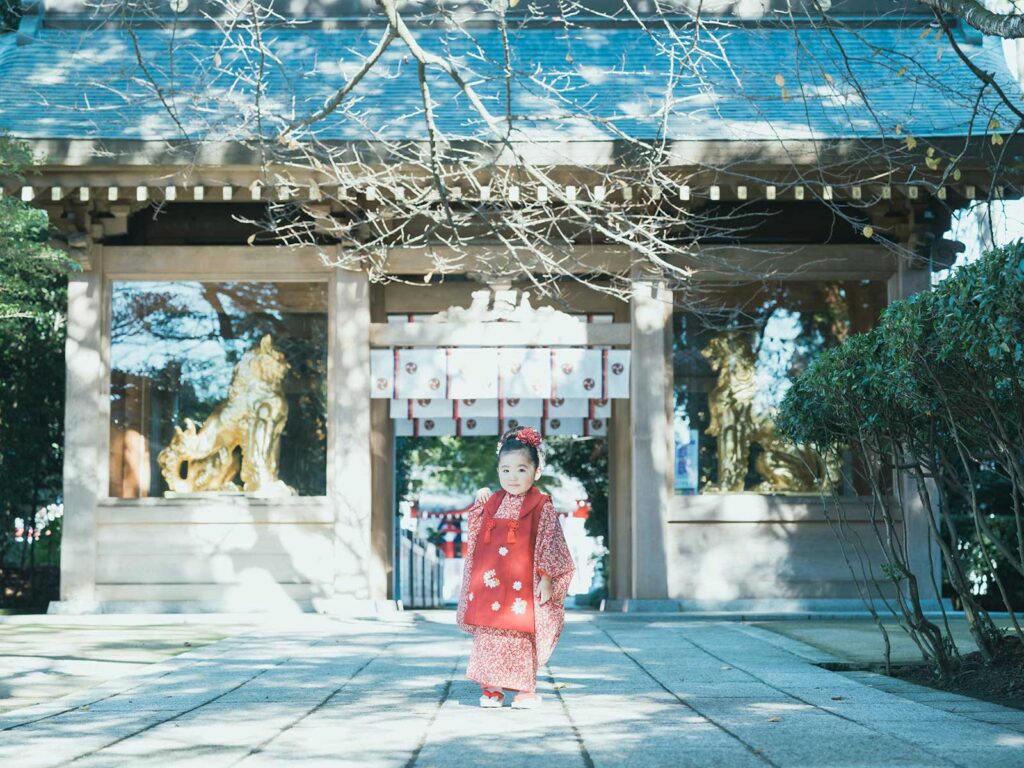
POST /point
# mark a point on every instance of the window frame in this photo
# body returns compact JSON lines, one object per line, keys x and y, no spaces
{"x":210,"y":264}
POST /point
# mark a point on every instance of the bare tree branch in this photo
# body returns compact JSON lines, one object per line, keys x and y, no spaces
{"x":1006,"y":25}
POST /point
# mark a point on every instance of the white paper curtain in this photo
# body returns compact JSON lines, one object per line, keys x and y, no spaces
{"x":486,"y":390}
{"x":471,"y":426}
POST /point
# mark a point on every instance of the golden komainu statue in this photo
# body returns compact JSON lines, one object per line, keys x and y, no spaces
{"x":251,"y":419}
{"x":785,"y":466}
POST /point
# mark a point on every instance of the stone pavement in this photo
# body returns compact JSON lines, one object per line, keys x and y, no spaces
{"x":620,"y":691}
{"x":41,"y":659}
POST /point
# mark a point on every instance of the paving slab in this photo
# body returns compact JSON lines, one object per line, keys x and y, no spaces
{"x":859,"y":639}
{"x":352,"y":692}
{"x":42,"y":660}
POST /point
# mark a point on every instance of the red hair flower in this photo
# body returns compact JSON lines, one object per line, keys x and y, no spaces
{"x":529,"y":436}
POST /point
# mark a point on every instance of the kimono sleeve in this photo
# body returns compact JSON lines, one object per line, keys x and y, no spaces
{"x":475,"y":517}
{"x":552,"y":555}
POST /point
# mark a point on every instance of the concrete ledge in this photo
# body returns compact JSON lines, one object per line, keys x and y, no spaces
{"x":799,"y":605}
{"x":639,"y":605}
{"x":74,"y":608}
{"x":77,"y":608}
{"x":333,"y":606}
{"x":771,"y":607}
{"x":350,"y":606}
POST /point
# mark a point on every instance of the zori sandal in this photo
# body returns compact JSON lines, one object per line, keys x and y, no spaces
{"x":526,"y":701}
{"x":491,"y":699}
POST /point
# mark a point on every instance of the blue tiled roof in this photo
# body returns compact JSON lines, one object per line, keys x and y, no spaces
{"x":80,"y":84}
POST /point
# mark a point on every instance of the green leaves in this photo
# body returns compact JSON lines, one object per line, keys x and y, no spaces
{"x":962,"y":343}
{"x":32,"y":311}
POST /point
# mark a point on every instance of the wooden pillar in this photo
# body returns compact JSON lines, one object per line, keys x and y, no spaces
{"x":382,"y":518}
{"x":906,"y":282}
{"x":923,"y":554}
{"x":85,"y":438}
{"x":620,"y":502}
{"x":650,"y":400}
{"x":356,"y":570}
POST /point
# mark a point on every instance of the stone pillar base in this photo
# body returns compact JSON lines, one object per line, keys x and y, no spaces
{"x":638,"y":605}
{"x":353,"y":606}
{"x":74,"y":607}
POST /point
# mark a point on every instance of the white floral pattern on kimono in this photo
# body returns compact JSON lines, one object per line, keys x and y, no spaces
{"x":504,"y":658}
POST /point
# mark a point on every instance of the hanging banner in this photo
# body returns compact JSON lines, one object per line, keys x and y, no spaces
{"x":473,"y":373}
{"x":507,"y":424}
{"x":576,"y":373}
{"x":519,"y":408}
{"x":382,"y":374}
{"x":473,"y":426}
{"x":522,"y":377}
{"x":561,"y":426}
{"x":511,"y":407}
{"x":562,"y":408}
{"x":434,"y":427}
{"x":525,"y":372}
{"x":472,"y":408}
{"x":421,"y":373}
{"x":618,"y":373}
{"x":432,"y":409}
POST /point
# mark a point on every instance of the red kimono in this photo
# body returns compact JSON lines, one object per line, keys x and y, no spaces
{"x":512,"y":541}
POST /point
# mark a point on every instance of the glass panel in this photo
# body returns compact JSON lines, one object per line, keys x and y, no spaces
{"x":734,"y":359}
{"x":218,"y":388}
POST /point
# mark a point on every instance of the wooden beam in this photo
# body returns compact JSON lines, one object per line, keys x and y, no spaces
{"x":499,"y":334}
{"x":213,"y":261}
{"x":736,"y":263}
{"x":422,"y":261}
{"x":421,"y":299}
{"x":720,"y":262}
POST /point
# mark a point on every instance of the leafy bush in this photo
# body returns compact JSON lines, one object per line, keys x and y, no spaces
{"x":931,"y":404}
{"x":33,"y":280}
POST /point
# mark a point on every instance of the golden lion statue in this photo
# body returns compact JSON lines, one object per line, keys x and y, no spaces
{"x":785,"y":467}
{"x":251,"y":419}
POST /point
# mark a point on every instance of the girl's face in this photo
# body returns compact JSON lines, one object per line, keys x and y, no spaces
{"x":517,"y":472}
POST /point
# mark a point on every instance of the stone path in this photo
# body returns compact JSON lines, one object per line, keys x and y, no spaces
{"x":636,"y":692}
{"x":41,"y":659}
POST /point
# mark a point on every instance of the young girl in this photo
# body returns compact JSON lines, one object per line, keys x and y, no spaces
{"x":517,"y":573}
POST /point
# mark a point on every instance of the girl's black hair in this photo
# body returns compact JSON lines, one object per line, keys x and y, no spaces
{"x":509,"y":444}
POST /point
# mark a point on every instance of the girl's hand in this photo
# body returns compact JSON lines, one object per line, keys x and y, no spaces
{"x":483,"y":494}
{"x":544,"y":590}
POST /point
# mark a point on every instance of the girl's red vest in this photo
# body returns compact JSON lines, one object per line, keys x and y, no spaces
{"x":501,"y":584}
